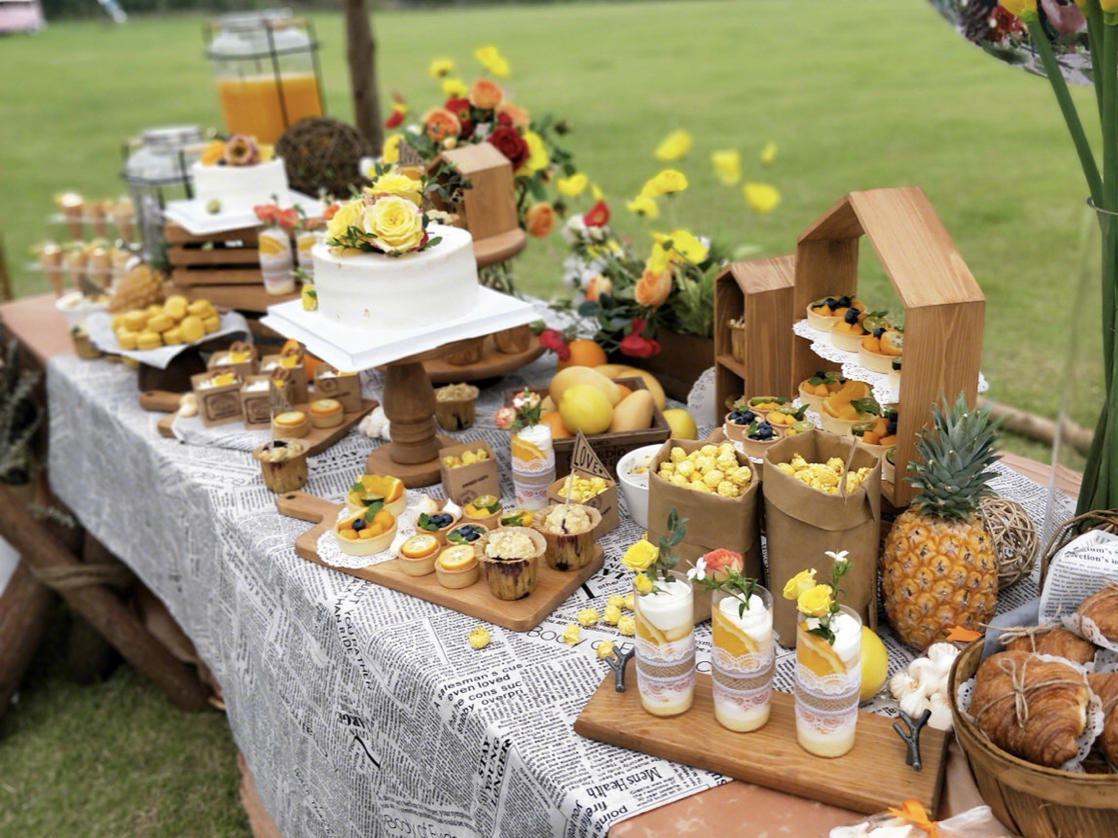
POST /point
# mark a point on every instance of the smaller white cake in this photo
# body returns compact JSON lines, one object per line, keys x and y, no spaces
{"x":240,"y":188}
{"x":375,"y":291}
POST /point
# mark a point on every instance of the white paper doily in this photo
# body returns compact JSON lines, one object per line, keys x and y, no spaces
{"x":883,"y":389}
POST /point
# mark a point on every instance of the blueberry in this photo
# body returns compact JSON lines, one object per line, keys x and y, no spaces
{"x":851,"y":316}
{"x":440,"y":520}
{"x":831,"y":303}
{"x":879,"y":331}
{"x":358,"y":525}
{"x":891,"y":428}
{"x":845,"y":300}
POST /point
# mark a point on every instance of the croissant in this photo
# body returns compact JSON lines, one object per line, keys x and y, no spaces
{"x":1102,"y":607}
{"x":1059,"y":642}
{"x":1032,"y":708}
{"x":1105,"y":686}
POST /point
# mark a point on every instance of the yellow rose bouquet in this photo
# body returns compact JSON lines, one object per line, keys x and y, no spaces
{"x":652,"y":563}
{"x":819,"y":600}
{"x":387,"y":217}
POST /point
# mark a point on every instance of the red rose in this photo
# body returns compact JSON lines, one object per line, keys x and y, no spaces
{"x":504,"y":120}
{"x":461,"y":109}
{"x":553,"y":340}
{"x":394,"y":120}
{"x":637,"y":347}
{"x":598,"y":216}
{"x":510,"y":144}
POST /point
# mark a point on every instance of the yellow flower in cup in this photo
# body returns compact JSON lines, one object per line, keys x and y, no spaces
{"x":348,"y":215}
{"x":674,"y":146}
{"x":398,"y":184}
{"x":761,"y":197}
{"x":642,"y":583}
{"x":396,"y":222}
{"x":727,"y":165}
{"x":640,"y":556}
{"x":815,"y":602}
{"x":801,"y":583}
{"x":572,"y":186}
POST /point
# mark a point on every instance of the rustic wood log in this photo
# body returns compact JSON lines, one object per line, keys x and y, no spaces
{"x":48,"y":556}
{"x":24,"y":605}
{"x":1038,"y":427}
{"x":361,"y":55}
{"x":89,"y":656}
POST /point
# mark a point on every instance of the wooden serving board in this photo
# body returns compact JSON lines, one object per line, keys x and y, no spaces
{"x":491,"y":365}
{"x":552,"y":586}
{"x":317,"y":439}
{"x":870,"y":778}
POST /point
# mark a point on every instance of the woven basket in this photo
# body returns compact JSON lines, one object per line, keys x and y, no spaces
{"x":1035,"y":801}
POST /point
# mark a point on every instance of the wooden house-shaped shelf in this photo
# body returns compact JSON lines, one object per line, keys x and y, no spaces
{"x":760,"y":293}
{"x":944,"y":308}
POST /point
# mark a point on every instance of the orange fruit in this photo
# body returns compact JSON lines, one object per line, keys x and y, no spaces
{"x":385,"y":485}
{"x":584,"y":353}
{"x":817,"y":654}
{"x":625,"y":391}
{"x":523,"y":450}
{"x":730,"y":637}
{"x":270,"y":246}
{"x":383,"y":519}
{"x":649,"y":632}
{"x":554,"y":421}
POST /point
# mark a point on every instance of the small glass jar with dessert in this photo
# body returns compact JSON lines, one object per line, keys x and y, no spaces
{"x":510,"y":561}
{"x":665,"y":645}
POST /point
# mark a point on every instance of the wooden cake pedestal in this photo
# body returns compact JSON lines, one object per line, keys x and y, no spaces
{"x":409,"y":404}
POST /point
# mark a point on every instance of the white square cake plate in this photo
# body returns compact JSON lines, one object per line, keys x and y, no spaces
{"x":353,"y":348}
{"x":191,"y":214}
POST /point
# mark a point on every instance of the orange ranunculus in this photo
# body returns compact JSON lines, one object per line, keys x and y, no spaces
{"x":596,"y":286}
{"x":485,"y":95}
{"x":539,"y":219}
{"x":652,"y":289}
{"x":520,"y":117}
{"x":439,"y":123}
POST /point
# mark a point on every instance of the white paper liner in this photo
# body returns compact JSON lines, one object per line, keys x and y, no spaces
{"x":1106,"y":660}
{"x":1088,"y":629}
{"x":883,"y":389}
{"x":329,"y":552}
{"x":99,"y":325}
{"x":1084,"y":742}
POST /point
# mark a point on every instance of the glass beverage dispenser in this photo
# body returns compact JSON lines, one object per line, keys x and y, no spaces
{"x":266,"y":70}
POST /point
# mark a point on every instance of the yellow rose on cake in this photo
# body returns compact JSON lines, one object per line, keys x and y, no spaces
{"x":396,"y":223}
{"x":348,"y":215}
{"x":396,"y":183}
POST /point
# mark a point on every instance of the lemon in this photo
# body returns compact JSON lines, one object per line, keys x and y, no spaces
{"x":681,"y":423}
{"x":583,"y":407}
{"x":875,"y":664}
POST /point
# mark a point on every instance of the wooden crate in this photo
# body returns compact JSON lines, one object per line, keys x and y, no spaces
{"x":760,"y":292}
{"x":944,"y":308}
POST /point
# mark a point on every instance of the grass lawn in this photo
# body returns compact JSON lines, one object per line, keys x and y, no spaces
{"x":857,"y":95}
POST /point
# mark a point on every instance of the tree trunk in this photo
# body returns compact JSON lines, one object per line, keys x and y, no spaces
{"x":361,"y":52}
{"x":24,"y":605}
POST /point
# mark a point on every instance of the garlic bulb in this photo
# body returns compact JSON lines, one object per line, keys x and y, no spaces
{"x":923,"y":686}
{"x":901,"y":685}
{"x":914,"y":704}
{"x":376,"y":424}
{"x":941,"y":712}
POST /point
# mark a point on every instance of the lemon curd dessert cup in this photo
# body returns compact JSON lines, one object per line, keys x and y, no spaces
{"x":665,"y":645}
{"x":828,"y":679}
{"x":742,"y":658}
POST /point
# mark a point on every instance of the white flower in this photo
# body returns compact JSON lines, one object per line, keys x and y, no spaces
{"x":699,"y":571}
{"x":840,"y":556}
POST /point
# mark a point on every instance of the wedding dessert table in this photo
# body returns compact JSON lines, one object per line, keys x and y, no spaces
{"x":361,"y":710}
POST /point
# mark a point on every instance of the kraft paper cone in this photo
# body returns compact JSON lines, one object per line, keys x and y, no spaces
{"x":802,"y":524}
{"x":73,"y":207}
{"x":98,"y":219}
{"x":712,"y":521}
{"x":50,"y":258}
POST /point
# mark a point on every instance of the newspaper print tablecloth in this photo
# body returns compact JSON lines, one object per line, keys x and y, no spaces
{"x":362,"y":711}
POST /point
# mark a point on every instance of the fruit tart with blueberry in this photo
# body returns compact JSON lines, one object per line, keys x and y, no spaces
{"x":877,"y":350}
{"x":821,"y":384}
{"x":736,"y":421}
{"x":847,"y":335}
{"x":366,"y":532}
{"x":824,"y":313}
{"x":437,"y":524}
{"x":759,"y":435}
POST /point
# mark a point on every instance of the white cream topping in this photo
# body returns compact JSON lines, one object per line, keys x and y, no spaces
{"x":673,"y":606}
{"x":756,"y":621}
{"x":537,"y":435}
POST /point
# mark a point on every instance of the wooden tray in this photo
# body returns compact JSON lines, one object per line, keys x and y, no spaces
{"x":870,"y":778}
{"x":491,"y":365}
{"x":317,"y":439}
{"x":552,"y":586}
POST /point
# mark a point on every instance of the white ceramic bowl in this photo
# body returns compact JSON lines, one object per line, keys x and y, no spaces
{"x":635,"y":486}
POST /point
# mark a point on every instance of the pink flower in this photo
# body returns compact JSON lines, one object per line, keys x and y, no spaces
{"x":505,"y":417}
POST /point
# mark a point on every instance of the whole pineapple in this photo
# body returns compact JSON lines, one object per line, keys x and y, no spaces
{"x":939,"y":567}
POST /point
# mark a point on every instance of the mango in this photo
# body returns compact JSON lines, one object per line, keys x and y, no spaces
{"x":585,"y":377}
{"x":584,"y":407}
{"x":633,"y":413}
{"x":681,"y":423}
{"x":623,"y":371}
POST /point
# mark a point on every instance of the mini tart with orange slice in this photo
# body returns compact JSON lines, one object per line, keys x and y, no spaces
{"x":821,"y":384}
{"x":847,"y":334}
{"x":853,"y":403}
{"x":824,"y":313}
{"x":764,"y":405}
{"x":457,"y":566}
{"x":484,"y":510}
{"x":516,"y":518}
{"x":367,"y":489}
{"x":878,"y":434}
{"x":877,"y":351}
{"x":326,"y":413}
{"x":417,"y":555}
{"x":290,"y":424}
{"x":786,"y":416}
{"x":366,"y":532}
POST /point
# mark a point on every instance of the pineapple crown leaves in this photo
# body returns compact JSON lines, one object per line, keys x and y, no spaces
{"x":954,"y":473}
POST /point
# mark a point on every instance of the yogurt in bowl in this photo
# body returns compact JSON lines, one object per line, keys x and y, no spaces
{"x":632,"y":474}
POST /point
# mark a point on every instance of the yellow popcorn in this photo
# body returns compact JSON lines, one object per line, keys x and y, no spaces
{"x":469,"y":458}
{"x":627,"y":626}
{"x":679,"y":480}
{"x":836,"y":464}
{"x":823,"y":477}
{"x":713,"y":477}
{"x":629,"y":602}
{"x":611,"y":614}
{"x":451,"y":461}
{"x":685,"y":468}
{"x":616,"y":601}
{"x":709,"y":450}
{"x":741,"y":475}
{"x":727,"y":489}
{"x":786,"y":468}
{"x":678,"y":455}
{"x":570,"y":634}
{"x":605,"y":649}
{"x":479,"y":638}
{"x":587,"y":617}
{"x":666,"y":469}
{"x":704,"y":463}
{"x":702,"y":487}
{"x":482,"y":455}
{"x":584,"y":488}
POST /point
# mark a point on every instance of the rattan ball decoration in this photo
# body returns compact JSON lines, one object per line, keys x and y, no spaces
{"x":1014,"y":535}
{"x":320,"y":153}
